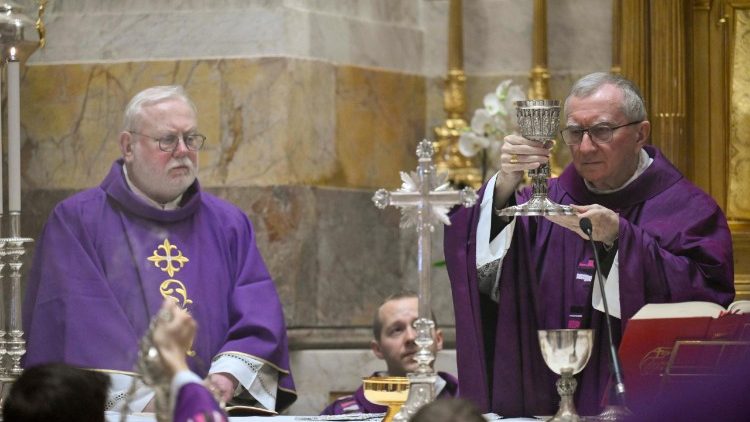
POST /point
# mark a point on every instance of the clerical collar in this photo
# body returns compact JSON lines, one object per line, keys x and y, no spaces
{"x":643,"y":162}
{"x":167,"y":206}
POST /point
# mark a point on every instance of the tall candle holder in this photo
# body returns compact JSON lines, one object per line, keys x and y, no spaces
{"x":20,"y":36}
{"x":15,"y":249}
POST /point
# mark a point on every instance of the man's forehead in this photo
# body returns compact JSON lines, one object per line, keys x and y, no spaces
{"x":397,"y":309}
{"x":171,"y":108}
{"x":593,"y":109}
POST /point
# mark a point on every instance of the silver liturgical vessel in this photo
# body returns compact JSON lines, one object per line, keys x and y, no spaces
{"x":539,"y":121}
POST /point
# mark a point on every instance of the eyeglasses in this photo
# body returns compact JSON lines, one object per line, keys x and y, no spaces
{"x":600,"y":133}
{"x":168,"y":143}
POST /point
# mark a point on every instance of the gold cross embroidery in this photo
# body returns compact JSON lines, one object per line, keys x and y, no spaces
{"x":168,"y":258}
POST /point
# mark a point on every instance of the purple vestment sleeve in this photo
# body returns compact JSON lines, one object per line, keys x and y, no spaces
{"x":106,"y":260}
{"x":674,"y":245}
{"x":195,"y":404}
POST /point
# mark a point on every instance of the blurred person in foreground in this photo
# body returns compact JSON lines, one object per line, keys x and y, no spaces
{"x":448,"y":410}
{"x":63,"y":393}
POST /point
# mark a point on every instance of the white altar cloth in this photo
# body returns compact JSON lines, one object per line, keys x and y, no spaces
{"x":359,"y":417}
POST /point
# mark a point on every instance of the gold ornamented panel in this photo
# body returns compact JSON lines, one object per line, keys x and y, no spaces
{"x":738,"y":190}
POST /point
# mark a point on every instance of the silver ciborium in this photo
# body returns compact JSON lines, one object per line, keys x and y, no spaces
{"x":538,"y":121}
{"x":566,"y":352}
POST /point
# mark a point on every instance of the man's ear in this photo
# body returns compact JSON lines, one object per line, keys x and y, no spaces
{"x":126,"y":145}
{"x":644,"y":131}
{"x":439,"y":339}
{"x":375,"y":346}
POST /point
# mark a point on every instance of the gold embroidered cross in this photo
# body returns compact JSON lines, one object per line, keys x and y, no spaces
{"x":168,"y":258}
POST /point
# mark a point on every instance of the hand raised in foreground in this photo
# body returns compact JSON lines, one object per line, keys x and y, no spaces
{"x":173,"y":336}
{"x":517,"y":155}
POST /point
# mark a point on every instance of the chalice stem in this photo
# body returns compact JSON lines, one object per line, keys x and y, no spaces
{"x":566,"y":387}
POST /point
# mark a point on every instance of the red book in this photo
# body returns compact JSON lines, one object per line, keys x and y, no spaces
{"x":667,"y":346}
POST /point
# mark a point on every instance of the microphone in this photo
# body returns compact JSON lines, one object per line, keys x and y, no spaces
{"x":614,"y":360}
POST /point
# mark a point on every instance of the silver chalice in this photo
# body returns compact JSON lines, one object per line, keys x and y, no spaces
{"x":566,"y":352}
{"x":538,"y":121}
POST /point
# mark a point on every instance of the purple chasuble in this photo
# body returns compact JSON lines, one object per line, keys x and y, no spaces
{"x":674,"y":245}
{"x":357,"y":403}
{"x":196,"y":404}
{"x":106,"y":259}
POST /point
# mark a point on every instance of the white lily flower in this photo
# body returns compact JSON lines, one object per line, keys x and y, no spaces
{"x":515,"y":93}
{"x":500,"y":125}
{"x":481,"y":121}
{"x":502,"y":89}
{"x":469,"y":144}
{"x":492,"y":104}
{"x":491,"y":123}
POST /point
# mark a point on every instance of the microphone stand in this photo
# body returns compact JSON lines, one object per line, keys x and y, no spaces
{"x":618,"y":411}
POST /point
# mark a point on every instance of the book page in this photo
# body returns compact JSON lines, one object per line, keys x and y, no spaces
{"x":741,"y":306}
{"x":680,"y":310}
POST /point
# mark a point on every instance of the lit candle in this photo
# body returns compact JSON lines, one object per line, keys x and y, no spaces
{"x":14,"y":136}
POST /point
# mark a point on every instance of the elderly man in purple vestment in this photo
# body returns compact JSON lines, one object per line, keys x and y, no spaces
{"x":660,"y":237}
{"x":109,"y":255}
{"x":393,"y":341}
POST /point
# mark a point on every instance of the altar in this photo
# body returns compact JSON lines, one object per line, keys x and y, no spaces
{"x":360,"y":417}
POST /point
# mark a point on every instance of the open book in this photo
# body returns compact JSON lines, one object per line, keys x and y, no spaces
{"x":676,"y":343}
{"x":691,"y":309}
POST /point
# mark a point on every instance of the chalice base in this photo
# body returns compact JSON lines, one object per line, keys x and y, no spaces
{"x":537,"y":205}
{"x":611,"y":413}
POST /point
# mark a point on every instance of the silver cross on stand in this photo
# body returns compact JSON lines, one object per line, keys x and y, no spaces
{"x":425,"y":199}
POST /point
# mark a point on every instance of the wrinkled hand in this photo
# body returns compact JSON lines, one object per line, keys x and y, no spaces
{"x":173,"y":335}
{"x":517,"y":155}
{"x":605,"y":222}
{"x":224,"y":384}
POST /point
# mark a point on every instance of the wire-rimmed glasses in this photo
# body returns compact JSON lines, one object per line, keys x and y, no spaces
{"x":601,"y":133}
{"x":168,"y":143}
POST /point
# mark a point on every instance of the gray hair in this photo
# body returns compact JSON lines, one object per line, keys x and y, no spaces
{"x":632,"y":105}
{"x":150,"y":96}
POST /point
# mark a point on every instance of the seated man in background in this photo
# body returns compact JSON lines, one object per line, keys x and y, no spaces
{"x":394,"y":336}
{"x":108,"y":256}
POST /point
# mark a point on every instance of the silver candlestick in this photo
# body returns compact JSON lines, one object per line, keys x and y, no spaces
{"x":539,"y":121}
{"x":20,"y":36}
{"x":12,"y":254}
